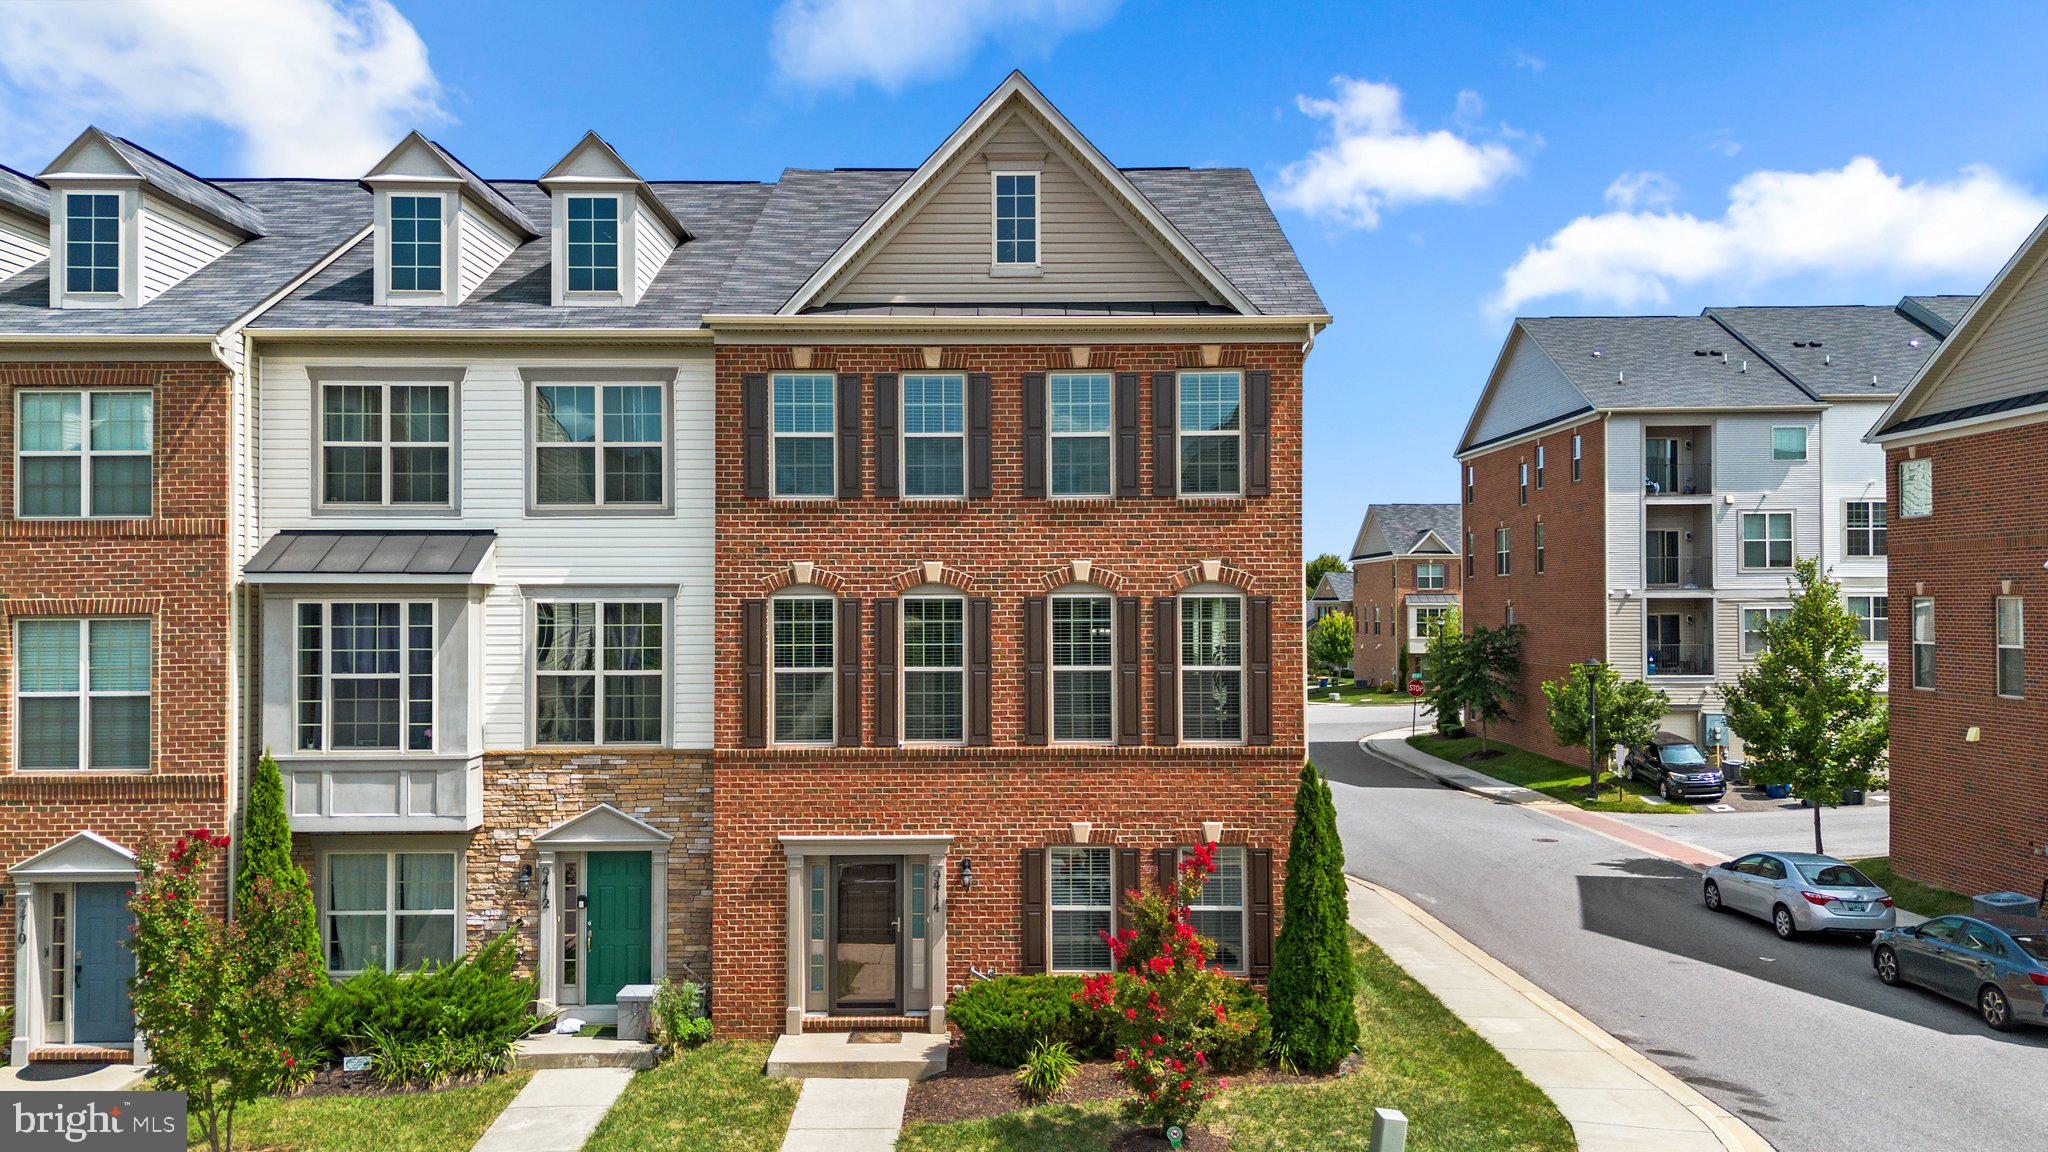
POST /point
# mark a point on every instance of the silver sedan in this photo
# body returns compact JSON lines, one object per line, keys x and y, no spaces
{"x":1800,"y":892}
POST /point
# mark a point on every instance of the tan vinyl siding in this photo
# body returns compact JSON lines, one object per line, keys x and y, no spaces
{"x":2010,"y":358}
{"x":1625,"y":636}
{"x":1532,"y":390}
{"x":174,"y":246}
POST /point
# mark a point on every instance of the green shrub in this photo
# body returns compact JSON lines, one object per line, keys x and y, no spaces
{"x":1003,"y":1019}
{"x":1047,"y":1070}
{"x":1238,"y":1041}
{"x":477,"y":998}
{"x":432,"y":1061}
{"x":7,"y":1032}
{"x":267,"y":855}
{"x":1314,"y":1023}
{"x":679,"y":1022}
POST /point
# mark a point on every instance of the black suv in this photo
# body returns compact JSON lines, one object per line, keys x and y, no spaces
{"x":1675,"y":765}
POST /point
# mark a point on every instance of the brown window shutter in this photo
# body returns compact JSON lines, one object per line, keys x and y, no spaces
{"x":1258,"y":669}
{"x":1259,"y":907}
{"x":1037,"y":696}
{"x":753,"y":673}
{"x":1130,"y":721}
{"x":1127,"y":877}
{"x":1127,"y":434}
{"x":888,"y":437}
{"x":754,"y":429}
{"x":849,"y":672}
{"x":1258,"y":433}
{"x":1033,"y":887}
{"x":1165,"y":670}
{"x":886,"y":646}
{"x":1165,"y":452}
{"x":980,"y":425}
{"x":1034,"y":435}
{"x":849,"y":436}
{"x":979,"y":672}
{"x":1166,"y":861}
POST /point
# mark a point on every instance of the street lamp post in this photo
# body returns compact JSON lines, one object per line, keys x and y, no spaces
{"x":1592,"y":670}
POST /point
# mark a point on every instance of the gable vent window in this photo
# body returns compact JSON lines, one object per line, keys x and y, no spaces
{"x":415,"y":243}
{"x":1016,"y":219}
{"x":92,"y":242}
{"x":593,"y":244}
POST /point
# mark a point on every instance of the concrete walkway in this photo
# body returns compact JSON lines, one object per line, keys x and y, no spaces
{"x":847,"y":1116}
{"x":557,"y":1110}
{"x":1615,"y":1099}
{"x":72,"y":1077}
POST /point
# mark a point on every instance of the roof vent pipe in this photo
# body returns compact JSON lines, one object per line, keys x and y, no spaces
{"x":1745,"y":367}
{"x":1827,"y":360}
{"x":1621,"y":377}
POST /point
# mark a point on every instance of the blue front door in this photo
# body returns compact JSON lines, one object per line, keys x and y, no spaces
{"x":101,"y":965}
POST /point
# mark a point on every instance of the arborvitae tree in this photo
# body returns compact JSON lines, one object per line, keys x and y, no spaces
{"x":267,"y":853}
{"x":1315,"y":1024}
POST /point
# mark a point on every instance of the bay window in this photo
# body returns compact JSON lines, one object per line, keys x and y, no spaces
{"x":365,"y":676}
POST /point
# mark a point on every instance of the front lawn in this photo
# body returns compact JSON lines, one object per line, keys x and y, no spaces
{"x":450,"y":1120}
{"x":712,"y":1099}
{"x":1460,"y":1095}
{"x":1912,"y":895}
{"x":1553,"y":778}
{"x":1354,"y":692}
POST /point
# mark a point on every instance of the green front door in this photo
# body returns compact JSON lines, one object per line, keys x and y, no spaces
{"x":620,"y":924}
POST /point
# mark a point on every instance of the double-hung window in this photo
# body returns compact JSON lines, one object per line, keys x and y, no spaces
{"x":1212,"y":669}
{"x":1429,"y":577}
{"x":597,"y":671}
{"x":2010,"y":640}
{"x":1015,"y":235}
{"x":1469,"y":559}
{"x":934,"y":669}
{"x":1078,"y":423}
{"x":593,"y":255}
{"x":85,"y":454}
{"x":934,"y":435}
{"x":1503,"y":561}
{"x":1083,"y":668}
{"x":804,"y":434}
{"x":1211,"y":430}
{"x":82,"y":693}
{"x":801,"y":665}
{"x":1766,"y":539}
{"x":385,"y":444}
{"x":1578,"y":457}
{"x":1219,"y":911}
{"x":1873,"y":617}
{"x":365,"y":680}
{"x":1923,"y":643}
{"x":389,"y":910}
{"x":92,"y":243}
{"x":1866,"y":528}
{"x":1539,"y":546}
{"x":415,"y":244}
{"x":1523,"y":473}
{"x":599,"y":445}
{"x":1427,"y":620}
{"x":1539,"y":466}
{"x":1468,"y":483}
{"x":1081,"y":905}
{"x":1753,"y":623}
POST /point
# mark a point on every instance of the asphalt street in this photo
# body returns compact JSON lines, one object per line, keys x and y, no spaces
{"x":1799,"y":1039}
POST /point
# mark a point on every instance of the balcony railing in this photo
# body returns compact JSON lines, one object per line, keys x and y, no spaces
{"x":1664,"y":478}
{"x":1679,"y":660}
{"x":1678,"y":572}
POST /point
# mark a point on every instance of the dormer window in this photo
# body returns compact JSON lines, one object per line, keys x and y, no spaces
{"x":416,"y":244}
{"x":593,"y":252}
{"x":1016,"y":219}
{"x":92,"y":243}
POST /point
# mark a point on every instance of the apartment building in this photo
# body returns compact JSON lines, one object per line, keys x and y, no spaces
{"x":856,"y":574}
{"x":1405,"y":577}
{"x":1636,"y":488}
{"x":1963,"y":443}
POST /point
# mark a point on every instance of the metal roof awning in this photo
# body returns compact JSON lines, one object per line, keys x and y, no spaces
{"x":1432,"y":600}
{"x":360,"y":557}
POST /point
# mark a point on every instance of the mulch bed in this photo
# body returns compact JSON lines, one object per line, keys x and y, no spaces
{"x":970,"y":1091}
{"x":332,"y":1081}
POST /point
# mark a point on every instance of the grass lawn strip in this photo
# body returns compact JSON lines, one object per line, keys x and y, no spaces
{"x":1356,"y":692}
{"x":1912,"y":895}
{"x":450,"y":1120}
{"x":1460,"y":1095}
{"x":712,"y":1099}
{"x":1553,"y":778}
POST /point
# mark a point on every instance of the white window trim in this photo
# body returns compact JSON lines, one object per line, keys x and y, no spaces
{"x":620,"y":251}
{"x":1523,"y":481}
{"x":1791,"y":540}
{"x":830,"y":436}
{"x":1805,"y":443}
{"x":1872,"y":616}
{"x":831,"y":669}
{"x":1442,"y":577}
{"x":1578,"y":457}
{"x":1032,"y":267}
{"x":1772,"y":612}
{"x":1416,"y":625}
{"x":1054,"y":667}
{"x":1870,"y":531}
{"x":126,"y":205}
{"x":1999,"y":647}
{"x":597,"y":669}
{"x":904,"y":670}
{"x":903,"y":423}
{"x":1905,"y":490}
{"x":1052,"y":909}
{"x":85,"y":452}
{"x":390,"y":912}
{"x":384,"y":383}
{"x":1243,"y":909}
{"x":1539,"y":548}
{"x":1107,"y":436}
{"x":1180,"y":433}
{"x":404,"y":677}
{"x":84,"y":694}
{"x":1185,"y":666}
{"x":597,"y":382}
{"x":1539,"y":466}
{"x":1915,"y":643}
{"x":1503,"y":553}
{"x":450,"y":207}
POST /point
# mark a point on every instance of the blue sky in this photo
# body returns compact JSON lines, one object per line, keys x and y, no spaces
{"x":1438,"y":170}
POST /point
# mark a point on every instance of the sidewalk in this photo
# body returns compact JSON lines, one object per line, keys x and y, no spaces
{"x":557,"y":1110}
{"x":1615,"y":1099}
{"x":847,"y":1116}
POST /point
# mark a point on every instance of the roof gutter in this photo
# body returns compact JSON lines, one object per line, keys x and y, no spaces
{"x":758,"y":322}
{"x":649,"y":336}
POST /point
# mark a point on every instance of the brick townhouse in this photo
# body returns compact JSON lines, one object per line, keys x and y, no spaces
{"x":1405,"y":576}
{"x":869,"y":571}
{"x":1964,"y":444}
{"x":1636,"y":488}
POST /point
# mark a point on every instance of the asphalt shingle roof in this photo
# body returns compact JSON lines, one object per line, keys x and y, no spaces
{"x":1334,"y":586}
{"x":486,"y":193}
{"x":1948,"y":310}
{"x":1223,"y":214}
{"x":182,"y":187}
{"x":20,"y":192}
{"x":1403,"y":526}
{"x":1836,"y":350}
{"x":1661,"y":362}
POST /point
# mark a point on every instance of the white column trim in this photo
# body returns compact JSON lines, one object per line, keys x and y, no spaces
{"x":793,"y":1000}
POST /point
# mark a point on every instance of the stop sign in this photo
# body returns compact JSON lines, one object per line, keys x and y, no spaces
{"x":1415,"y":686}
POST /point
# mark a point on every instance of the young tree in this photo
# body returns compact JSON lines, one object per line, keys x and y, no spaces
{"x":1329,"y":642}
{"x":1811,"y":710}
{"x":267,"y":855}
{"x":1322,"y":566}
{"x":1314,"y":1020}
{"x":1490,"y":679}
{"x":1599,"y":705}
{"x":1443,"y":673}
{"x":218,"y":1000}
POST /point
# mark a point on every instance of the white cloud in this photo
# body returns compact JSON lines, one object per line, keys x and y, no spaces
{"x":310,"y":87}
{"x":1533,"y":64}
{"x":1854,"y":220}
{"x":1720,"y":141}
{"x":894,"y":43}
{"x":1633,"y":190}
{"x":1376,"y":160}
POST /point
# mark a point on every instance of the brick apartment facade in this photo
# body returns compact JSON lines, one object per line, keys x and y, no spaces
{"x":1406,"y":568}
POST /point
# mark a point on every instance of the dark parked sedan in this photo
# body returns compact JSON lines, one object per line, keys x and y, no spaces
{"x":1675,"y":765}
{"x":1998,"y":963}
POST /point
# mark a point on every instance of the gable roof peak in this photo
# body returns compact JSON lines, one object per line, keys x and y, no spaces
{"x":611,"y":168}
{"x":162,"y":178}
{"x":478,"y":188}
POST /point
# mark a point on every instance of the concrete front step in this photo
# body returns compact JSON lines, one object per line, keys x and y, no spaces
{"x":834,"y":1056}
{"x":552,"y":1051}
